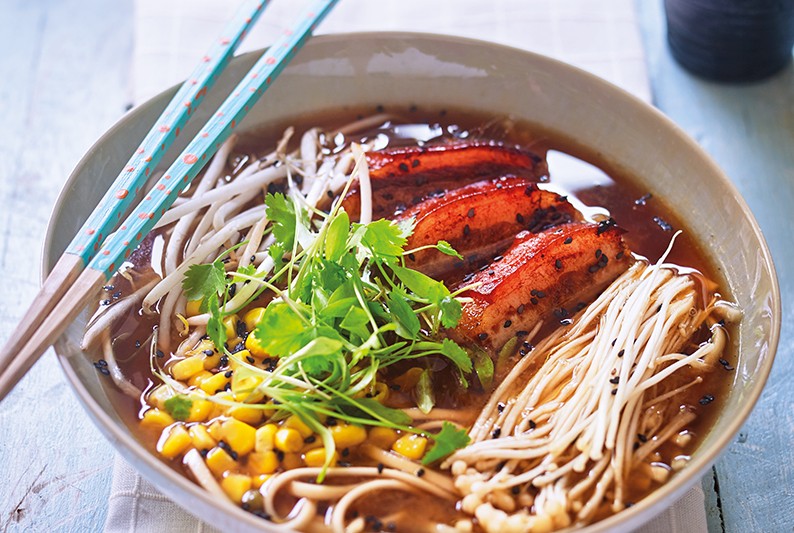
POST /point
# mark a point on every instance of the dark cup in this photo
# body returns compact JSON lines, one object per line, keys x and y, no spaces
{"x":731,"y":40}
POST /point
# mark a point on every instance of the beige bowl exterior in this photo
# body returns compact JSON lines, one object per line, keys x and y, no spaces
{"x":347,"y":71}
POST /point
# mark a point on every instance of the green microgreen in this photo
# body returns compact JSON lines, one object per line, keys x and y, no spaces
{"x":343,"y":306}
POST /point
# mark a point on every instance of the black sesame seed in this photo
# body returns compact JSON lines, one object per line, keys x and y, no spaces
{"x":594,"y":268}
{"x":569,"y":240}
{"x":500,"y":407}
{"x":137,"y":344}
{"x":621,"y":352}
{"x":533,"y":292}
{"x":496,"y":433}
{"x":108,"y":288}
{"x":532,"y":424}
{"x":117,"y":295}
{"x":420,"y":472}
{"x":598,"y":253}
{"x":663,"y":224}
{"x":522,"y":352}
{"x":470,"y":214}
{"x":344,"y":464}
{"x":522,"y":333}
{"x":507,"y":323}
{"x":204,"y":453}
{"x":403,"y":167}
{"x":614,"y":392}
{"x":519,"y":218}
{"x":345,"y":452}
{"x":636,"y":445}
{"x":101,"y":362}
{"x":311,"y":439}
{"x":279,"y":455}
{"x":330,"y":194}
{"x":558,"y":264}
{"x":380,"y":468}
{"x":566,"y":322}
{"x":104,"y":371}
{"x":614,"y":341}
{"x":227,"y":387}
{"x":619,"y":255}
{"x":642,"y":200}
{"x":466,"y":229}
{"x":520,"y":309}
{"x":533,"y":301}
{"x":250,"y":359}
{"x":482,"y":336}
{"x":541,"y":294}
{"x":415,"y":163}
{"x":497,"y":258}
{"x":705,"y":400}
{"x":604,"y":225}
{"x":224,"y":360}
{"x":615,"y":380}
{"x":641,"y":437}
{"x":159,"y":353}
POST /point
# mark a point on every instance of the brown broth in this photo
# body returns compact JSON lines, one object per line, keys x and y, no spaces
{"x":596,"y":183}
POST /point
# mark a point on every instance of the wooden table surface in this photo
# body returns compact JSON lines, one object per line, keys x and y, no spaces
{"x":65,"y":82}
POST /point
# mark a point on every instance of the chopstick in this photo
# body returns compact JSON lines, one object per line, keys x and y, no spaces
{"x":120,"y":244}
{"x":127,"y":186}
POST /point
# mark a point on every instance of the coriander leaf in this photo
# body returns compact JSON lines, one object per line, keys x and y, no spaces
{"x":356,"y":321}
{"x":425,"y":399}
{"x":445,"y":248}
{"x":178,"y":407}
{"x":483,"y":366}
{"x":449,"y":439}
{"x":336,"y":238}
{"x":407,"y":322}
{"x":384,"y":239}
{"x":358,"y":408}
{"x":421,"y":285}
{"x":456,"y":354}
{"x":247,"y":270}
{"x":319,"y":354}
{"x":201,"y":281}
{"x":451,"y":311}
{"x":281,"y":331}
{"x":281,"y":210}
{"x":276,"y":252}
{"x":215,"y":327}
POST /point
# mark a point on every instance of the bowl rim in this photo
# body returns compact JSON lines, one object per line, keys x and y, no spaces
{"x":643,"y":511}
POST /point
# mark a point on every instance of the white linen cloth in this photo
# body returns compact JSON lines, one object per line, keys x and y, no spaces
{"x":596,"y":35}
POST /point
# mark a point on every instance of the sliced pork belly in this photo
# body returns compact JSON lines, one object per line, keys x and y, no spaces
{"x":542,"y":277}
{"x":480,"y":220}
{"x":403,"y":177}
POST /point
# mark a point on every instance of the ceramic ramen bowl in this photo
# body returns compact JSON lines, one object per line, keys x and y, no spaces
{"x":355,"y":71}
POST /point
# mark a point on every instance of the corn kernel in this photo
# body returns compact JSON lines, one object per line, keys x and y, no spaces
{"x":200,"y":410}
{"x":197,"y":379}
{"x":291,"y":461}
{"x":231,"y":343}
{"x":348,"y":435}
{"x":212,"y":361}
{"x":263,"y":462}
{"x":174,"y":441}
{"x":316,"y":457}
{"x":157,"y":419}
{"x":215,"y":383}
{"x":380,"y":392}
{"x":410,"y":446}
{"x":193,"y":307}
{"x":214,"y":430}
{"x":239,"y":435}
{"x":202,"y":440}
{"x":230,"y":323}
{"x":382,"y":437}
{"x":249,"y":415}
{"x":246,"y":385}
{"x":202,"y":347}
{"x":258,"y":480}
{"x":219,"y":461}
{"x":235,"y":485}
{"x":253,"y":317}
{"x":288,"y":440}
{"x":187,"y":367}
{"x":299,"y":425}
{"x":253,"y":345}
{"x":159,"y":395}
{"x":265,"y":438}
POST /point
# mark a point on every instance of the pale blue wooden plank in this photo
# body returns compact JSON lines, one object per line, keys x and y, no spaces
{"x":64,"y":84}
{"x":749,"y":130}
